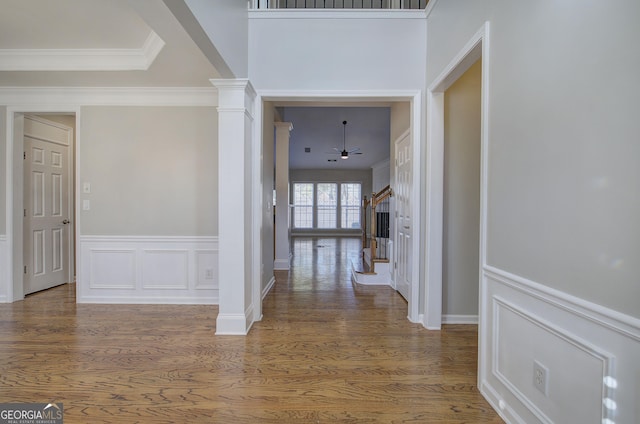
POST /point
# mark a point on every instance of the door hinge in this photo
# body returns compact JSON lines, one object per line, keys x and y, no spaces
{"x":25,"y":269}
{"x":24,"y":155}
{"x":25,"y":213}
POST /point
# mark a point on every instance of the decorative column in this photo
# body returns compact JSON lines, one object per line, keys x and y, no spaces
{"x":235,"y":274}
{"x":283,"y":249}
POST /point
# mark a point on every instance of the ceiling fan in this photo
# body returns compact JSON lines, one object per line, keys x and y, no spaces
{"x":344,"y":153}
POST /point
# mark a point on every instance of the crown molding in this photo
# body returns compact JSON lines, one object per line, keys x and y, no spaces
{"x":109,"y":96}
{"x":83,"y":59}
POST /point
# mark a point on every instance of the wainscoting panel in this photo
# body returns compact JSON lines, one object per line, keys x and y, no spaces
{"x":112,"y":269}
{"x":177,"y":270}
{"x":165,"y":269}
{"x":4,"y":269}
{"x":548,"y":357}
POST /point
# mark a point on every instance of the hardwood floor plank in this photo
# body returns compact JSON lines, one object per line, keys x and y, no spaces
{"x":326,"y":351}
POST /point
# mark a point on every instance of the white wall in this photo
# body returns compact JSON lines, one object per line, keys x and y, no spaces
{"x":378,"y":53}
{"x":461,"y":226}
{"x":560,"y":279}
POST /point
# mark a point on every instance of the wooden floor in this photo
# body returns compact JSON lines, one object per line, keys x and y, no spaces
{"x":326,"y":351}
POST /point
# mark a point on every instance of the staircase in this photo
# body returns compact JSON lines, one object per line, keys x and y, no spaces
{"x":374,"y":266}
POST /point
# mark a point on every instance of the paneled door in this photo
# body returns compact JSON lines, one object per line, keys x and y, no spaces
{"x":47,"y":166}
{"x":402,"y":193}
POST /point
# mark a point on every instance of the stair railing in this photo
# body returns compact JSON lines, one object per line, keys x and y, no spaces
{"x":379,"y":222}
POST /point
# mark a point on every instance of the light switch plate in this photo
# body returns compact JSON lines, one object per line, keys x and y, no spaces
{"x":86,"y":205}
{"x":86,"y":188}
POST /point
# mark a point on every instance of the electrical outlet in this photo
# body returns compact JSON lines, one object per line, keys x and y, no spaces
{"x":208,"y":274}
{"x":540,"y":377}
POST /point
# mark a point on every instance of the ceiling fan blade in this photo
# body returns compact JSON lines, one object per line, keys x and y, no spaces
{"x":354,"y":150}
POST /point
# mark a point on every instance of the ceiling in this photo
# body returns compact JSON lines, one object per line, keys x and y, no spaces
{"x":97,"y":43}
{"x":321,"y":130}
{"x":140,"y":43}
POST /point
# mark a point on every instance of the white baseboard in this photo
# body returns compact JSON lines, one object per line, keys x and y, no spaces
{"x":268,"y":287}
{"x":132,"y":269}
{"x":579,"y":343}
{"x":234,"y":324}
{"x":4,"y":267}
{"x":282,"y":264}
{"x":459,"y":319}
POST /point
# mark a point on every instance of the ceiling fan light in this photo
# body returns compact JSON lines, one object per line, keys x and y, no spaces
{"x":344,"y":155}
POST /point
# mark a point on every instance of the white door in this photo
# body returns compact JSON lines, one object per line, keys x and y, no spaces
{"x":47,"y":167}
{"x":402,"y":193}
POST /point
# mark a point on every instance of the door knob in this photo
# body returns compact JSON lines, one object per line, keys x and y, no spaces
{"x":66,"y":221}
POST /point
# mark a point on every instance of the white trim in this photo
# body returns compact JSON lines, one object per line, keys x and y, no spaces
{"x":136,"y":59}
{"x":347,"y":96}
{"x":563,"y":324}
{"x":459,"y":319}
{"x":337,"y":14}
{"x":431,"y":4}
{"x":620,"y":323}
{"x":13,"y":283}
{"x":128,"y":269}
{"x":46,"y":97}
{"x":282,"y":264}
{"x":233,"y":324}
{"x":268,"y":287}
{"x":4,"y":269}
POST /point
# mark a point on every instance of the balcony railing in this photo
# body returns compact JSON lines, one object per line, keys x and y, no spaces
{"x":338,"y":4}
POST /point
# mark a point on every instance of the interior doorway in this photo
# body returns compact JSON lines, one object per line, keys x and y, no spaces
{"x":461,"y":198}
{"x":413,"y":100}
{"x":40,"y":195}
{"x":476,"y":48}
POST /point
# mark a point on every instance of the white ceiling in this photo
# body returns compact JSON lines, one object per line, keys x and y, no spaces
{"x":106,"y":36}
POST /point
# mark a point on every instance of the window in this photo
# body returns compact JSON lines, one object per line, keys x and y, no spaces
{"x":327,"y":205}
{"x":303,"y":205}
{"x":350,"y":201}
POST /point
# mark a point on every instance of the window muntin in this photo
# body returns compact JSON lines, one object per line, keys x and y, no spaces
{"x":327,"y":205}
{"x":350,"y":201}
{"x":303,"y":205}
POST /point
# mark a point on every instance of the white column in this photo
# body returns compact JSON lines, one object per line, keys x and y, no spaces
{"x":235,"y":136}
{"x":283,"y":249}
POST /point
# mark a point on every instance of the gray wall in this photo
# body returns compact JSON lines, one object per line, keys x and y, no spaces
{"x":268,"y":179}
{"x":564,"y":157}
{"x":153,"y":170}
{"x":380,"y":54}
{"x":461,"y":219}
{"x":3,"y":173}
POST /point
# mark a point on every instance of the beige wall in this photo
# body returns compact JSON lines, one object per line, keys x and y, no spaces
{"x":564,"y":157}
{"x":461,"y":218}
{"x":152,"y":170}
{"x":3,"y":168}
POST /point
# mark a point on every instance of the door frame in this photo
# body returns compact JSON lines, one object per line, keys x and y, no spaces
{"x":476,"y":48}
{"x":14,"y":195}
{"x":344,"y":98}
